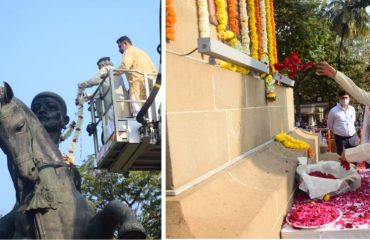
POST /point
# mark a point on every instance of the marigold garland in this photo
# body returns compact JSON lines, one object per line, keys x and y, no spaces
{"x":253,"y":29}
{"x":290,"y":142}
{"x":170,"y":21}
{"x":270,"y":35}
{"x":259,"y":28}
{"x":233,"y":18}
{"x":233,"y":67}
{"x":222,"y":19}
{"x":244,"y":27}
{"x":203,"y":18}
{"x":273,"y":25}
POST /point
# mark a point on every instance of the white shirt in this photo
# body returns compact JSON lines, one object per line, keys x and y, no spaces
{"x":342,"y":121}
{"x":361,"y":152}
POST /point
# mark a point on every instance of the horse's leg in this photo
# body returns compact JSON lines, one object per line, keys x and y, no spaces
{"x":7,"y":225}
{"x":116,"y":214}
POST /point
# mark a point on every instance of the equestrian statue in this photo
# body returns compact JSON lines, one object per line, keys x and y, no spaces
{"x":48,"y":204}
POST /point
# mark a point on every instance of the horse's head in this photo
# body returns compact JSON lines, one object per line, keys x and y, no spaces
{"x":18,"y":128}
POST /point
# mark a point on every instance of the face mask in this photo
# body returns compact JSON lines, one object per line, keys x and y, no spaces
{"x":344,"y":102}
{"x":121,"y":50}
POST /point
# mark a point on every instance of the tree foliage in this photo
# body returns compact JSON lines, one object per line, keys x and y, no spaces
{"x":349,"y":20}
{"x":303,"y":28}
{"x":141,"y":190}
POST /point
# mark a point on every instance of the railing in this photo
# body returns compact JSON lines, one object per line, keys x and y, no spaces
{"x":106,"y":98}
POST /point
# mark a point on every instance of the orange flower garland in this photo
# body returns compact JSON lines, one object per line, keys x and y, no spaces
{"x":170,"y":21}
{"x":253,"y":29}
{"x":259,"y":28}
{"x":273,"y":29}
{"x":233,"y":20}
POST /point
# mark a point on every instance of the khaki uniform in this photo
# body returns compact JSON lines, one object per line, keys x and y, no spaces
{"x":136,"y":59}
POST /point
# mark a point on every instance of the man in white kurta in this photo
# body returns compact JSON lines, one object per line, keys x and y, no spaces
{"x":134,"y":58}
{"x":361,"y":152}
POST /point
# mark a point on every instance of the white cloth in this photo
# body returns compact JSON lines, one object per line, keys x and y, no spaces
{"x":342,"y":121}
{"x":365,"y":138}
{"x":359,"y":153}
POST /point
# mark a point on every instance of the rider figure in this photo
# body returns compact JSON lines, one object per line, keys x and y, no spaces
{"x":51,"y":110}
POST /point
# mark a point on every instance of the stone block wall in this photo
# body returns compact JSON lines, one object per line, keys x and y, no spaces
{"x":214,"y":117}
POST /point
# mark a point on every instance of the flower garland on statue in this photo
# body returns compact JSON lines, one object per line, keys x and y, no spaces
{"x":270,"y":36}
{"x":273,"y":25}
{"x":264,"y":57}
{"x":290,"y":142}
{"x":68,"y":132}
{"x":81,"y":100}
{"x":269,"y":87}
{"x":244,"y":30}
{"x":253,"y":29}
{"x":170,"y":21}
{"x":203,"y":18}
{"x":259,"y":28}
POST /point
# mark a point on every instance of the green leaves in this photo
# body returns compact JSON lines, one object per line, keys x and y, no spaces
{"x":141,"y":190}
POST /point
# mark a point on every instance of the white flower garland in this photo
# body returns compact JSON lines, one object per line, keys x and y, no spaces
{"x":264,"y":31}
{"x":244,"y":29}
{"x":203,"y":19}
{"x":70,"y":159}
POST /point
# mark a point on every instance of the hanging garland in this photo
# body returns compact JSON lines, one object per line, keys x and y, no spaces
{"x":244,"y":30}
{"x":259,"y":28}
{"x":170,"y":21}
{"x":270,"y":36}
{"x":269,"y":87}
{"x":203,"y":18}
{"x":253,"y":29}
{"x":81,"y":100}
{"x":67,"y":133}
{"x":222,"y":21}
{"x":233,"y":19}
{"x":273,"y":25}
{"x":264,"y":57}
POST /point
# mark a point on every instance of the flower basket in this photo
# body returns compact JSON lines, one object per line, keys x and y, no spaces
{"x":317,"y":187}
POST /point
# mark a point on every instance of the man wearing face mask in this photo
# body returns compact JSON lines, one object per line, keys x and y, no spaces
{"x":341,"y":121}
{"x":134,"y":58}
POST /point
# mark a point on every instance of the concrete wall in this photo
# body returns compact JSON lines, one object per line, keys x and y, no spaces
{"x":213,"y":117}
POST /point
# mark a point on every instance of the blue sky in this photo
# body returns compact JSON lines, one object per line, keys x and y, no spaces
{"x":53,"y":45}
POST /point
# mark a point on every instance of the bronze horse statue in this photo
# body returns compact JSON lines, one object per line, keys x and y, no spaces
{"x":48,"y":204}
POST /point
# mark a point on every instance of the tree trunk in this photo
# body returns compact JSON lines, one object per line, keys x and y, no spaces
{"x":340,"y":47}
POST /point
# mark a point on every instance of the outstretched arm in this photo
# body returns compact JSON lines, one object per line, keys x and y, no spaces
{"x":324,"y":69}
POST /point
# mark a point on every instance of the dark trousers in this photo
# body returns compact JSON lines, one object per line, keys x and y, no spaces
{"x":346,"y":142}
